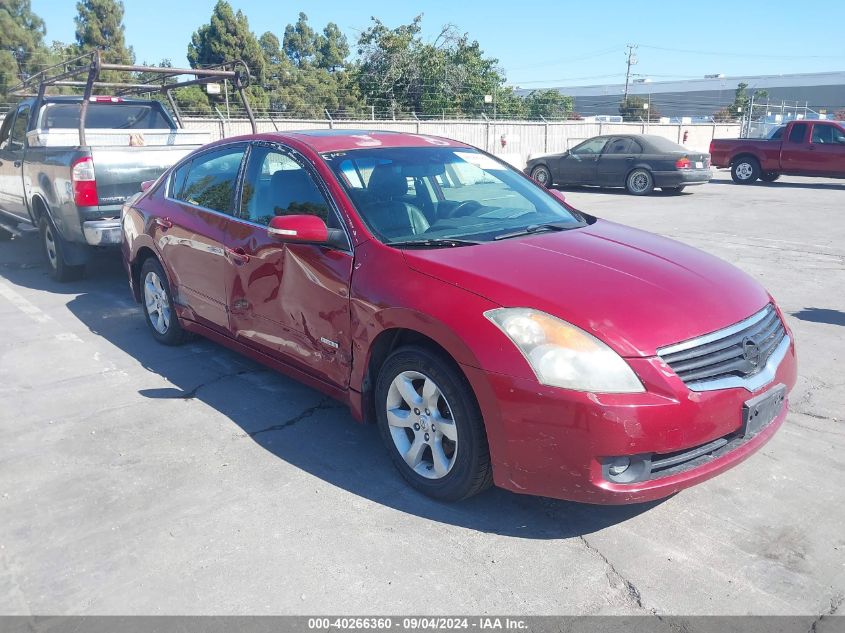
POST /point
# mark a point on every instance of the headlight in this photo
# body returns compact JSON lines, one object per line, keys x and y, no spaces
{"x":563,"y":355}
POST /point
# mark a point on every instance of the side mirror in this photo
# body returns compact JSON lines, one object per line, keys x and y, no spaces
{"x":557,"y":194}
{"x":305,"y":229}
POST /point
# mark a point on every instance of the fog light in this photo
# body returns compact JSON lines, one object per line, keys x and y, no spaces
{"x":618,"y":466}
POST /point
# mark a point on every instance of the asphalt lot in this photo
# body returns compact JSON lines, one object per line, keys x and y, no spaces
{"x":140,"y":479}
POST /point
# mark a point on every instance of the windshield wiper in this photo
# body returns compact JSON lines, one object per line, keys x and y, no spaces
{"x":536,"y":228}
{"x":433,"y":243}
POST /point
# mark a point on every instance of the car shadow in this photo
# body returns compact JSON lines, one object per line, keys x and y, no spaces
{"x":284,"y":417}
{"x":821,"y":315}
{"x":825,"y":186}
{"x":620,"y":191}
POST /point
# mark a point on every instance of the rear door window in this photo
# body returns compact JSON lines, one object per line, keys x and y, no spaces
{"x":619,"y":146}
{"x":19,"y":127}
{"x":798,"y":133}
{"x":212,"y":179}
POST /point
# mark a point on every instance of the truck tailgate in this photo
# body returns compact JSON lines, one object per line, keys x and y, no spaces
{"x":121,"y":170}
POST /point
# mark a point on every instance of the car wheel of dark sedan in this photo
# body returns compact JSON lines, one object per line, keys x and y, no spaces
{"x":640,"y":182}
{"x":158,"y":304}
{"x":745,"y":170}
{"x":53,"y":246}
{"x":672,"y":189}
{"x":431,"y":424}
{"x":769,"y":176}
{"x":542,"y":175}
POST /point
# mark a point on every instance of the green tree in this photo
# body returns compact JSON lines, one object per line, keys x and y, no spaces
{"x":99,"y":25}
{"x":332,"y":48}
{"x":399,"y":73}
{"x":741,"y":104}
{"x":300,"y":42}
{"x":22,"y":49}
{"x":548,"y":104}
{"x":226,"y":38}
{"x":634,"y":109}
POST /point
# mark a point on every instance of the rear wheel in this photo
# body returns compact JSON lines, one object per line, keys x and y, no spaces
{"x":745,"y":170}
{"x":542,"y":175}
{"x":158,"y":304}
{"x":769,"y":176}
{"x":639,"y":182}
{"x":677,"y":189}
{"x":53,"y":246}
{"x":431,"y":425}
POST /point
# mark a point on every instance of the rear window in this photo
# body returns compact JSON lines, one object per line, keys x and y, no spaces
{"x":112,"y":116}
{"x":660,"y":144}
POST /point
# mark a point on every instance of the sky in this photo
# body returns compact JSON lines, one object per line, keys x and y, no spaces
{"x":537,"y":44}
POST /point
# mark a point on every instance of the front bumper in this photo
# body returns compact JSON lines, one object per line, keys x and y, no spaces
{"x":556,"y":443}
{"x":102,"y":232}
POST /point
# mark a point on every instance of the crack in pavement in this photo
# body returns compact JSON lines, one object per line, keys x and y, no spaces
{"x":631,"y":592}
{"x":835,"y":602}
{"x":189,"y":395}
{"x":323,"y":405}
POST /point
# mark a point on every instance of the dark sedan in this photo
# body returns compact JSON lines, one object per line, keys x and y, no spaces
{"x":638,"y":162}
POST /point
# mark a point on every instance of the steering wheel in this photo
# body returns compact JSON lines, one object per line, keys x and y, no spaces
{"x":464,"y":208}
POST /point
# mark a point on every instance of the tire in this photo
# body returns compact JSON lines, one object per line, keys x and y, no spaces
{"x":464,"y":458}
{"x":639,"y":182}
{"x":52,"y":245}
{"x":769,"y":176}
{"x":745,"y":170}
{"x":157,"y":303}
{"x":542,"y":175}
{"x":675,"y":190}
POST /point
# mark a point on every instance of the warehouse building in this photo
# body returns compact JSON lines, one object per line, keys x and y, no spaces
{"x":817,"y":92}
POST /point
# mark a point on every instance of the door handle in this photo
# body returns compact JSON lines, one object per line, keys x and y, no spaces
{"x":164,"y":223}
{"x":629,"y":158}
{"x":812,"y":147}
{"x":18,"y":163}
{"x":238,"y":255}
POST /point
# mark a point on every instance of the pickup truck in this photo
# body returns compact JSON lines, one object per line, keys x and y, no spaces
{"x":805,"y":148}
{"x":69,"y":181}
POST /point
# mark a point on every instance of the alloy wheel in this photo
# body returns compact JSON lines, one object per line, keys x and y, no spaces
{"x":421,"y":424}
{"x":157,"y":303}
{"x":639,"y":182}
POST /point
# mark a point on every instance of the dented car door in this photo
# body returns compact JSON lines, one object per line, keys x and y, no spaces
{"x":285,"y":298}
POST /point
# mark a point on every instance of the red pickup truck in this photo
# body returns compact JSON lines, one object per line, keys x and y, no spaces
{"x":806,"y":148}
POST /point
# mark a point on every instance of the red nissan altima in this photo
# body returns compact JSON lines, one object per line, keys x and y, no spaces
{"x":494,"y":333}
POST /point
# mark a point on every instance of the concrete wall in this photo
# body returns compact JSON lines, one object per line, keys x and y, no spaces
{"x":522,"y":138}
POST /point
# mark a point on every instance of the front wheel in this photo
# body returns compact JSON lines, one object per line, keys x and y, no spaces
{"x":53,"y":246}
{"x":640,"y":182}
{"x":431,"y":424}
{"x":769,"y":176}
{"x":542,"y":175}
{"x":745,"y":170}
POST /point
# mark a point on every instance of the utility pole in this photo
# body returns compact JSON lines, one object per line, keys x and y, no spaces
{"x":632,"y":59}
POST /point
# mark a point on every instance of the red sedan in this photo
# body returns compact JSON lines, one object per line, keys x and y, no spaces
{"x":493,"y":332}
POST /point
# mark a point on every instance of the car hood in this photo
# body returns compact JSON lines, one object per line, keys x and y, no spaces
{"x":634,"y":290}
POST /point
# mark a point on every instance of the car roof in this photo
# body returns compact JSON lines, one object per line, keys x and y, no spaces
{"x":336,"y":140}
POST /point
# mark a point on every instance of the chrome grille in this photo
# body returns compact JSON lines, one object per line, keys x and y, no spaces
{"x":729,"y":356}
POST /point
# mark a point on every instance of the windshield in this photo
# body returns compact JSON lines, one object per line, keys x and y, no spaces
{"x":112,"y":116}
{"x":436,"y":194}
